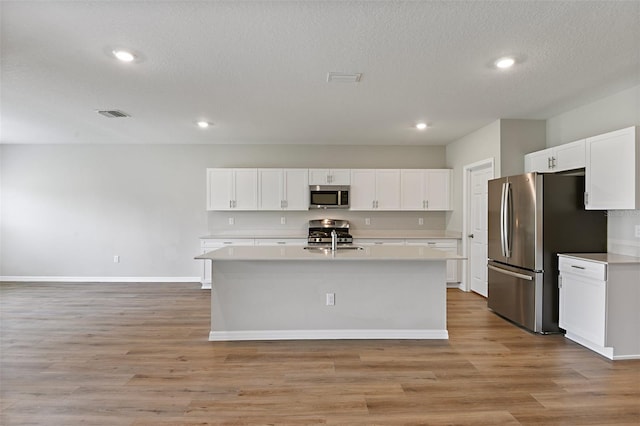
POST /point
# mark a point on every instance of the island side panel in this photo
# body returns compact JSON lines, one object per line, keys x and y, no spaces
{"x":252,"y":300}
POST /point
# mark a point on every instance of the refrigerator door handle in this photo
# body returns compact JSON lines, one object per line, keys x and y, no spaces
{"x":507,"y":220}
{"x":502,"y":220}
{"x":513,"y":274}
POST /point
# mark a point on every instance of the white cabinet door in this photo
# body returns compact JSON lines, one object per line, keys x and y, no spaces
{"x":612,"y":179}
{"x":283,"y":189}
{"x":329,"y":176}
{"x":220,"y":192}
{"x":438,"y":189}
{"x":270,"y":185}
{"x":583,"y":307}
{"x":340,"y":176}
{"x":539,"y":161}
{"x":387,"y":189}
{"x":296,"y":189}
{"x":559,"y":158}
{"x":412,"y":189}
{"x":373,"y":189}
{"x":319,"y":176}
{"x":425,"y":189}
{"x":363,"y":189}
{"x":570,"y":156}
{"x":246,"y":189}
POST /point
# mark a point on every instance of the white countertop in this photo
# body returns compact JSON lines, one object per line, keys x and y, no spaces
{"x":606,"y":258}
{"x":382,"y":234}
{"x":266,"y":253}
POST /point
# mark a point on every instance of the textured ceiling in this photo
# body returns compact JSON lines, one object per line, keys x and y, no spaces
{"x":258,"y":69}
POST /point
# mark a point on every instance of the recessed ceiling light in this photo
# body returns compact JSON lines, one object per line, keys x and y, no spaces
{"x":421,"y":126}
{"x":123,"y":55}
{"x":203,"y":124}
{"x":504,"y":63}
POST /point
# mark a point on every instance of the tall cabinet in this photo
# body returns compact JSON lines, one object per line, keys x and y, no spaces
{"x":612,"y":177}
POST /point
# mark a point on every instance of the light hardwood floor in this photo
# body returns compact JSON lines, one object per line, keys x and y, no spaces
{"x":137,"y":354}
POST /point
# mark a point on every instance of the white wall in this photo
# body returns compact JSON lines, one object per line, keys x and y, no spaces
{"x":68,"y":209}
{"x":614,"y":112}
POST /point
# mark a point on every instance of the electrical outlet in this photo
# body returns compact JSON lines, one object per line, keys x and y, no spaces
{"x":283,"y":220}
{"x":331,"y":299}
{"x":637,"y":231}
{"x":420,"y":221}
{"x":367,"y":221}
{"x":116,"y":259}
{"x":232,"y":221}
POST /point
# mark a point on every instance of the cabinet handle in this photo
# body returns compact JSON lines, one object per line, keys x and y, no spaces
{"x":548,"y":162}
{"x":586,"y":198}
{"x":427,"y":203}
{"x":230,"y":204}
{"x":578,"y":267}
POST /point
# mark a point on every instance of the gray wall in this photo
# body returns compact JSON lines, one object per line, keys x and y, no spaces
{"x":614,"y":112}
{"x":68,"y":209}
{"x":477,"y":146}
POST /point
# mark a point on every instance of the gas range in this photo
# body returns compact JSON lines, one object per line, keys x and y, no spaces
{"x":320,"y":231}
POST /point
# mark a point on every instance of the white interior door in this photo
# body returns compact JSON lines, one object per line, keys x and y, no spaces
{"x":477,"y":226}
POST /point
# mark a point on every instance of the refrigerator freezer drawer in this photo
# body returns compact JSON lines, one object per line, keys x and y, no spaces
{"x":515,"y":295}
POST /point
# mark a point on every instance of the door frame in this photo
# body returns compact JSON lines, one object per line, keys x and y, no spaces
{"x":488,"y":163}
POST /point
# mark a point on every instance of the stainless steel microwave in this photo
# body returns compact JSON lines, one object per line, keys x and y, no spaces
{"x":328,"y":197}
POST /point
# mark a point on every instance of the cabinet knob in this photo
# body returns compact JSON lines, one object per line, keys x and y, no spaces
{"x":470,"y":235}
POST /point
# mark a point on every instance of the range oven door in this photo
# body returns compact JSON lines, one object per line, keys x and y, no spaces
{"x":516,"y":294}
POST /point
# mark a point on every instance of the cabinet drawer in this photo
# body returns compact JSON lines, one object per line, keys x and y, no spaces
{"x":583,"y":268}
{"x":441,"y":243}
{"x":281,"y":241}
{"x":222,"y":242}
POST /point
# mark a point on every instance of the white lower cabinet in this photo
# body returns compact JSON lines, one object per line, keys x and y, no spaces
{"x":210,"y":244}
{"x":600,"y":305}
{"x":448,"y":245}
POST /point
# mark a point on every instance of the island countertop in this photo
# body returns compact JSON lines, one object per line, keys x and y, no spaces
{"x":367,"y":253}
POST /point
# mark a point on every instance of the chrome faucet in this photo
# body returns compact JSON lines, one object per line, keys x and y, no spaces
{"x":334,"y":240}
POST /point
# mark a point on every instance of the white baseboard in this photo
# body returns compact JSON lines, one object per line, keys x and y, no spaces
{"x":217,"y":336}
{"x":101,"y":279}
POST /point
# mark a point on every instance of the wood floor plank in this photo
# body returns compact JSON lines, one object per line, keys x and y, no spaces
{"x":137,"y":354}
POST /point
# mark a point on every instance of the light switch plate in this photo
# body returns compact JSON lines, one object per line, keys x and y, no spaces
{"x":231,"y":221}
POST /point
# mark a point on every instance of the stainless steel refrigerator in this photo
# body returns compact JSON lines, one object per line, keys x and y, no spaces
{"x":532,"y":218}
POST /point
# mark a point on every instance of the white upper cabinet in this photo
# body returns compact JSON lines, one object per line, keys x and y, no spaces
{"x":426,"y":189}
{"x":559,"y":158}
{"x":283,"y":189}
{"x":329,"y":176}
{"x":375,"y":189}
{"x":232,"y":189}
{"x":612,"y":175}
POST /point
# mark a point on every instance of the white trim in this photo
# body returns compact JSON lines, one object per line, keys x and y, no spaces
{"x":102,"y":279}
{"x":605,"y":351}
{"x":465,"y":284}
{"x":218,"y":336}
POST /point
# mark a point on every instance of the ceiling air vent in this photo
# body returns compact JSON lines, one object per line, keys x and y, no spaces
{"x":341,"y":77}
{"x":114,"y":113}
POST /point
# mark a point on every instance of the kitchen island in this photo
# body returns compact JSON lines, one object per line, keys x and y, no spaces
{"x":290,"y":292}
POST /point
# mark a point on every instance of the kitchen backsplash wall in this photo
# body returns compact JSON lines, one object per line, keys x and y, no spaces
{"x":298,"y":221}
